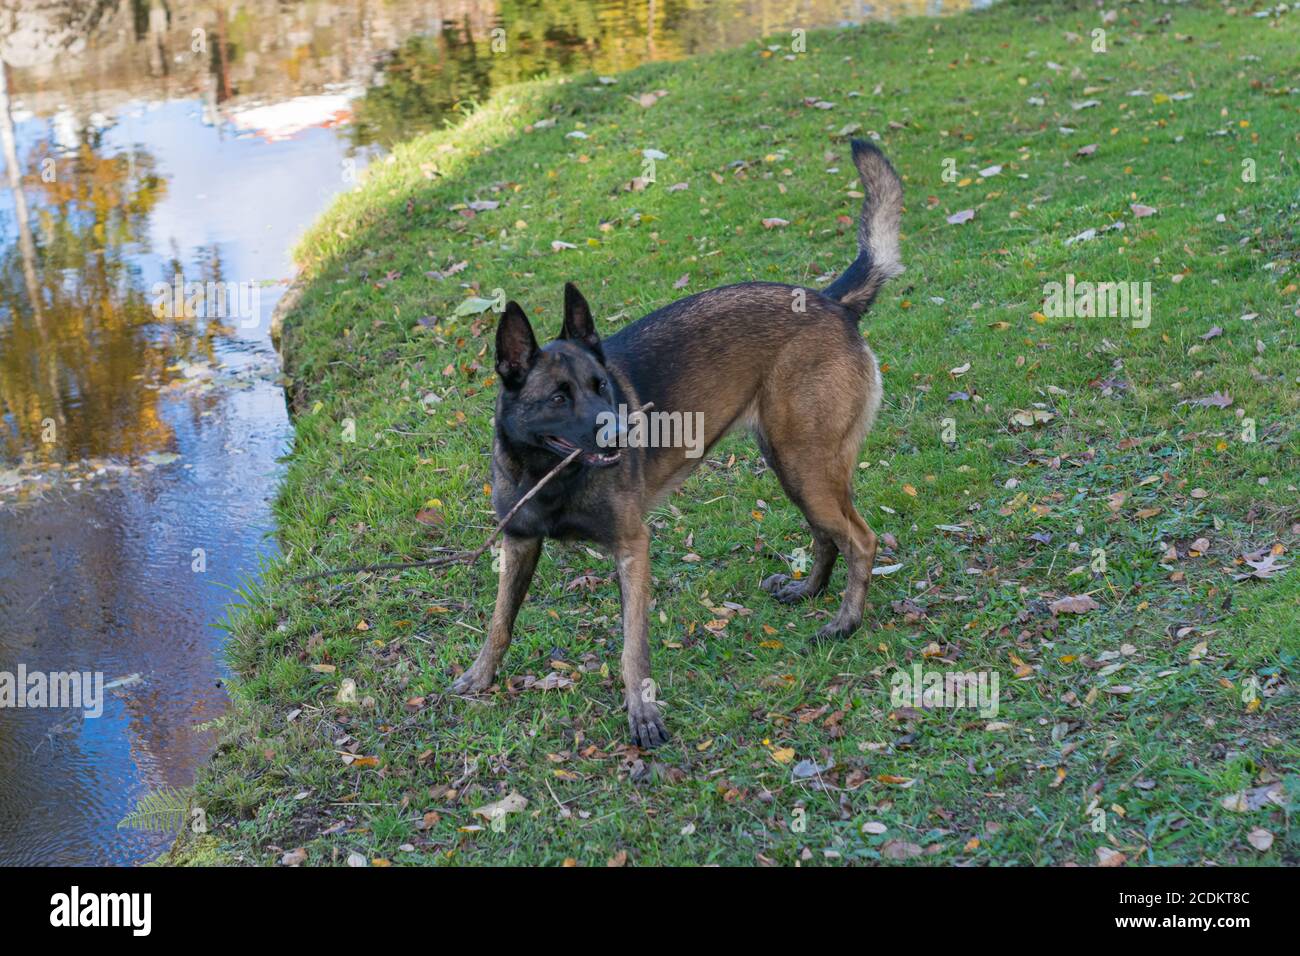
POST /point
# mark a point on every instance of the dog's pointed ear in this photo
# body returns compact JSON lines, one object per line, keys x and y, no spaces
{"x":516,"y":346}
{"x":579,"y":326}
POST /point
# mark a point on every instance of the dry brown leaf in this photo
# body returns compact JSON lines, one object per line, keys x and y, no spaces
{"x":1108,"y":857}
{"x":1074,"y":604}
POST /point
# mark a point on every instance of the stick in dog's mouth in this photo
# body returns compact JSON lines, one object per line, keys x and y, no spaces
{"x":563,"y":448}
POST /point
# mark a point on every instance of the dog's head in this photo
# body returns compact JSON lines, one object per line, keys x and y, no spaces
{"x":559,"y":397}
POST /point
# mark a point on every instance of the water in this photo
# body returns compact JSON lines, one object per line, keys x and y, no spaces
{"x":139,"y":442}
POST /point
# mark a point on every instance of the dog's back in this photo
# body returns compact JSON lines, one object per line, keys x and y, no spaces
{"x":776,"y":357}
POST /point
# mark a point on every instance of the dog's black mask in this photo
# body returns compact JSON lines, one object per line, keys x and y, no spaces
{"x":559,"y":397}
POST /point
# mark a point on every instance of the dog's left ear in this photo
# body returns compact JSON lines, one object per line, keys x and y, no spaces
{"x":579,"y":326}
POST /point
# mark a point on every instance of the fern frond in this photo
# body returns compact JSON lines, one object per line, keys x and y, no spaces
{"x":159,"y":811}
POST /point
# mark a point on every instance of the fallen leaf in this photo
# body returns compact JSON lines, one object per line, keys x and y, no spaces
{"x":1262,"y":568}
{"x":895,"y":780}
{"x":1108,"y":857}
{"x":512,"y":803}
{"x":430,"y":518}
{"x":648,"y":100}
{"x":1075,"y":604}
{"x":1213,"y":400}
{"x":957,"y":218}
{"x":1029,"y":417}
{"x":1260,"y":839}
{"x":900,"y":850}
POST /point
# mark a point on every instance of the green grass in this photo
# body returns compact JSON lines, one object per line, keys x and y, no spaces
{"x":373,"y":335}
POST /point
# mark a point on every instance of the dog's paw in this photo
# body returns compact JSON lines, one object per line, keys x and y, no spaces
{"x":473,"y":681}
{"x":837,"y":630}
{"x":646,"y":724}
{"x":785,"y":590}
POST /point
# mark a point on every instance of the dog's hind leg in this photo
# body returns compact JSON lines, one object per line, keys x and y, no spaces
{"x":782,"y":586}
{"x":827,"y":503}
{"x":816,"y":471}
{"x":518,"y":562}
{"x":859,"y":581}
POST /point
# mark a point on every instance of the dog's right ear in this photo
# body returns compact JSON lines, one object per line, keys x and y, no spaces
{"x":579,"y":327}
{"x":516,"y":346}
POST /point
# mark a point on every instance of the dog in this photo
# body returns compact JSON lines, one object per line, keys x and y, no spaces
{"x":785,"y":361}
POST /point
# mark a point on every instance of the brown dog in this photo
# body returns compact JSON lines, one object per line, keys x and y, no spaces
{"x":785,"y":361}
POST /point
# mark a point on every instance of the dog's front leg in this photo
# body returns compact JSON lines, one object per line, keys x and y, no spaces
{"x":518,"y":561}
{"x":633,"y":556}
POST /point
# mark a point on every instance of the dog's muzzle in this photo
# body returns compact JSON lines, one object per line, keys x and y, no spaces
{"x":563,"y":447}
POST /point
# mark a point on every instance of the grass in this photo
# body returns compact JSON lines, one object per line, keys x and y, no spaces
{"x":1138,"y":714}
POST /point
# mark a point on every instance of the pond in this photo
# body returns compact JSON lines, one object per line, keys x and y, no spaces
{"x":160,"y":161}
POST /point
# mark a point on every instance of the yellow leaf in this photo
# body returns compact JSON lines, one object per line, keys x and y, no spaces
{"x":895,"y":780}
{"x":783,"y":755}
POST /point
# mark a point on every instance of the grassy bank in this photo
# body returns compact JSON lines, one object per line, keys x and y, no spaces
{"x":1152,"y":722}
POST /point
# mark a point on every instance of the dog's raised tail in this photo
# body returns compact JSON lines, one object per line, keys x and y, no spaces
{"x":878,"y":259}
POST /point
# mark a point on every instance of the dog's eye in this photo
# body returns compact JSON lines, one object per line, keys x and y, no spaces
{"x":559,"y":398}
{"x":600,"y":385}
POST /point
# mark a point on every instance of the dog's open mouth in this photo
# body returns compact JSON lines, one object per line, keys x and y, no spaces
{"x":565,"y":448}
